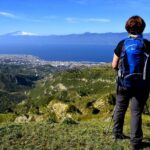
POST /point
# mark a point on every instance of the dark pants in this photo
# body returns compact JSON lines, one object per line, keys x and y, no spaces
{"x":138,"y":99}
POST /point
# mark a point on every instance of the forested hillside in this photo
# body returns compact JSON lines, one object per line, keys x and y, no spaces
{"x":16,"y":80}
{"x":67,"y":109}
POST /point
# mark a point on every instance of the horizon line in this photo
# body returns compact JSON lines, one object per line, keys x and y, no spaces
{"x":35,"y":34}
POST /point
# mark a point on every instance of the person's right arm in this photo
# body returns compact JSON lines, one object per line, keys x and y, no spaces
{"x":117,"y":53}
{"x":115,"y":62}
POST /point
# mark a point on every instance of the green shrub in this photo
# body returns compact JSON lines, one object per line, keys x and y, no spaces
{"x":6,"y":118}
{"x":69,"y":120}
{"x":52,"y":118}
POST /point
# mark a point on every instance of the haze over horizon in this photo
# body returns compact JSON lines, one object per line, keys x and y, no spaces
{"x":70,"y":16}
{"x":24,"y":33}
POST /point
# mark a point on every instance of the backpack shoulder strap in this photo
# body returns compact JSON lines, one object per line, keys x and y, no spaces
{"x":146,"y":45}
{"x":147,"y":61}
{"x":124,"y":43}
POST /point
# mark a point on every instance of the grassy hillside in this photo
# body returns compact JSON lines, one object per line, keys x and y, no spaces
{"x":67,"y":110}
{"x":79,"y":88}
{"x":85,"y":135}
{"x":15,"y":80}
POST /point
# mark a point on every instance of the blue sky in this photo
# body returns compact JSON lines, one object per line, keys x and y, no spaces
{"x":46,"y":17}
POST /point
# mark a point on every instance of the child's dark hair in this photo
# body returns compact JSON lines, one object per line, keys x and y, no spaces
{"x":135,"y":25}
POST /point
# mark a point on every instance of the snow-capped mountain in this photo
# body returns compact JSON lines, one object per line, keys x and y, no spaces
{"x":23,"y":33}
{"x":28,"y":38}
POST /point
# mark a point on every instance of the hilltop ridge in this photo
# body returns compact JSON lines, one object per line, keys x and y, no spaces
{"x":108,"y":38}
{"x":67,"y":109}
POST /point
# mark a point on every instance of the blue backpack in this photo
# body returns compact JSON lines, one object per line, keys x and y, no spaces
{"x":134,"y":64}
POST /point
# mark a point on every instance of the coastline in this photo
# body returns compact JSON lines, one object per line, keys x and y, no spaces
{"x":19,"y":59}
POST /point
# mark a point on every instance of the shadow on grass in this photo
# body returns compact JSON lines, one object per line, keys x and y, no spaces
{"x":146,"y":142}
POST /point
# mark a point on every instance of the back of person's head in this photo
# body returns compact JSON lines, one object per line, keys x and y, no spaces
{"x":135,"y":25}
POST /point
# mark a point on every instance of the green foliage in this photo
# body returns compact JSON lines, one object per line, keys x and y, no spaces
{"x":52,"y":118}
{"x":73,"y":109}
{"x":90,"y":96}
{"x":42,"y":101}
{"x":62,"y":96}
{"x":69,"y":121}
{"x":111,"y":99}
{"x":21,"y":109}
{"x":17,"y":80}
{"x":89,"y":135}
{"x":9,"y":100}
{"x":7,"y":118}
{"x":73,"y":85}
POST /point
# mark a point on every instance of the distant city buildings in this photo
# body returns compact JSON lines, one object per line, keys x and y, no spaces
{"x":35,"y":61}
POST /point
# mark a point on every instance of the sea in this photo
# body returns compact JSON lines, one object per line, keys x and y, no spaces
{"x":91,"y":53}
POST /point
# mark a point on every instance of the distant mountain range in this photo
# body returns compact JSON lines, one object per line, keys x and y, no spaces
{"x":25,"y":38}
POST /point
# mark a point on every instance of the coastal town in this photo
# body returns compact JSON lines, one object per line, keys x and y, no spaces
{"x":35,"y":61}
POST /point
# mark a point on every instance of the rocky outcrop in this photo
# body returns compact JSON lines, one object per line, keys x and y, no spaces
{"x":21,"y":119}
{"x":61,"y":87}
{"x":60,"y":109}
{"x":105,"y":103}
{"x":29,"y":118}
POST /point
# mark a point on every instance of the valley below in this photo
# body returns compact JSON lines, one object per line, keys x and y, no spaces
{"x":59,"y":106}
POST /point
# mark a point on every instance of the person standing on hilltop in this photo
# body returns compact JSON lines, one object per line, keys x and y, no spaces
{"x":131,"y":60}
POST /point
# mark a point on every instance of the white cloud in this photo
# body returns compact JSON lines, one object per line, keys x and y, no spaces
{"x":31,"y":20}
{"x":80,"y":1}
{"x":12,"y":16}
{"x":6,"y":14}
{"x":97,"y":20}
{"x":50,"y":17}
{"x":78,"y":20}
{"x":72,"y":20}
